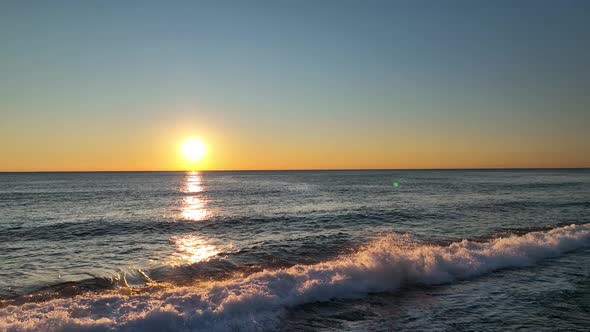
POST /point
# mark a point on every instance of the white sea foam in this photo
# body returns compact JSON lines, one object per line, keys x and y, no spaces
{"x":256,"y":302}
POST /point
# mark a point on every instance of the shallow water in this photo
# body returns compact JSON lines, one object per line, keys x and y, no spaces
{"x":296,"y":250}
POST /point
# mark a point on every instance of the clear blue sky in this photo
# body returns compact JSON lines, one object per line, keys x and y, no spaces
{"x":383,"y":83}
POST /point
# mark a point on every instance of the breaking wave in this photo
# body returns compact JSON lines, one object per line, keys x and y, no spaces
{"x":258,"y":301}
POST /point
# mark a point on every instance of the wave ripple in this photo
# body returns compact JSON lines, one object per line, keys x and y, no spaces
{"x":257,"y":301}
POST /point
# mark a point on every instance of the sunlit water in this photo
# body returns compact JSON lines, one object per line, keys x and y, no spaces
{"x":316,"y":250}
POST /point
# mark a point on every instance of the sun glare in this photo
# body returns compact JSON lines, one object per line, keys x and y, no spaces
{"x":193,"y":149}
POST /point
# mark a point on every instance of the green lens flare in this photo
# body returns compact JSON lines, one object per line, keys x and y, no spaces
{"x":396,"y":184}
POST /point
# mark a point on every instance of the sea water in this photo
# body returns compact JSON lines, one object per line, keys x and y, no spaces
{"x":442,"y":250}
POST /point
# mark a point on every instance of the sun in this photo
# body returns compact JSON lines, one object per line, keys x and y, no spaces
{"x":193,"y":149}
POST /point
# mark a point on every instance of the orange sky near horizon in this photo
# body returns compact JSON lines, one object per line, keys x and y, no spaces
{"x":151,"y":148}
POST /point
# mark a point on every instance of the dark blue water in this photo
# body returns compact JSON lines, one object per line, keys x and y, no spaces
{"x":299,"y":250}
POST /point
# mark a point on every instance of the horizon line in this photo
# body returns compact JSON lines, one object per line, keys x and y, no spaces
{"x":302,"y":170}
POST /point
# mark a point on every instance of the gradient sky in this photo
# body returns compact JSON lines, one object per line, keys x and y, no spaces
{"x":117,"y":85}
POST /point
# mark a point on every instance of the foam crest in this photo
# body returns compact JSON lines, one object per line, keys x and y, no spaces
{"x":257,"y":301}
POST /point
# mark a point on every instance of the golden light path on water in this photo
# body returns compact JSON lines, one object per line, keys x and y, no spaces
{"x":193,"y":248}
{"x":194,"y":208}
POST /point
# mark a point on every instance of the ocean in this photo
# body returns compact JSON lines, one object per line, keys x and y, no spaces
{"x":436,"y":250}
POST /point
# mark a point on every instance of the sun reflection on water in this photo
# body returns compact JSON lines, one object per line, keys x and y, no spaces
{"x":193,"y":183}
{"x":194,"y":206}
{"x":192,"y":249}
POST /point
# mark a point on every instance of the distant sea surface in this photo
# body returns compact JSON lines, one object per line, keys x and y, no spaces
{"x":444,"y":250}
